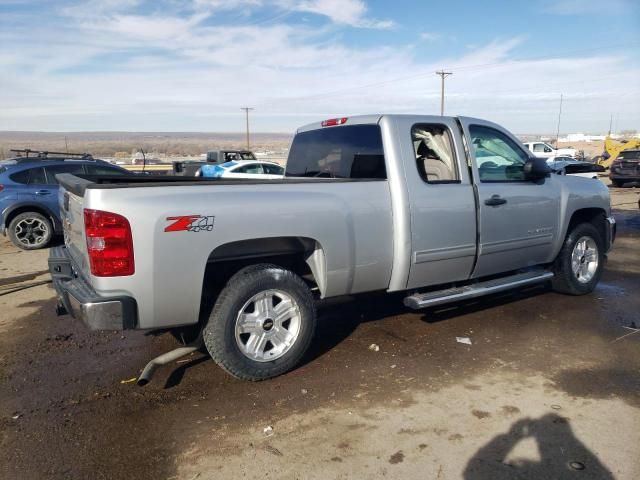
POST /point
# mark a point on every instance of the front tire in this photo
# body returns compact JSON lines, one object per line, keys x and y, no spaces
{"x":580,"y":262}
{"x":262,"y":323}
{"x":30,"y":231}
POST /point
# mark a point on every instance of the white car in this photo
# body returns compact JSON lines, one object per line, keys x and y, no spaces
{"x":544,"y":150}
{"x":564,"y":165}
{"x":248,"y":169}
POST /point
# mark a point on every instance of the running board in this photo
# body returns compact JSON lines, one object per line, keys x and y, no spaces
{"x":430,"y":299}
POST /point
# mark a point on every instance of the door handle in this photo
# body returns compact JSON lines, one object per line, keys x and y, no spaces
{"x":494,"y":201}
{"x":43,"y":192}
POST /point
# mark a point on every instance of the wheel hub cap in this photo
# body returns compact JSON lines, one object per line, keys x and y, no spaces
{"x":585,"y":259}
{"x":267,"y":325}
{"x":31,"y":232}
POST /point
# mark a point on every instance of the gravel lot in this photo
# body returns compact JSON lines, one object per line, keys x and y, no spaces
{"x":549,"y":388}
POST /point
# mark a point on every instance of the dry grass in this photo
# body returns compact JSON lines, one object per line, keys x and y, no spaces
{"x":108,"y":144}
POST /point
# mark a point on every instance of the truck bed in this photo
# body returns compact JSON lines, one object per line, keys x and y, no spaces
{"x":78,"y":184}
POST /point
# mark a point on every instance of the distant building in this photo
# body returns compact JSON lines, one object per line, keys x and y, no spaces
{"x":581,"y":137}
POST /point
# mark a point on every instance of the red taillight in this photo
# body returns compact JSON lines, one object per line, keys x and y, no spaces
{"x":109,"y":244}
{"x":1,"y":187}
{"x":334,"y":121}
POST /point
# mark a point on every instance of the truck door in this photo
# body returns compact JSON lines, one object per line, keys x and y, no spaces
{"x":441,"y":201}
{"x":518,"y":218}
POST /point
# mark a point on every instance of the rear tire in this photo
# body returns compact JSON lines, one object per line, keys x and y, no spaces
{"x":262,"y":323}
{"x":30,"y":231}
{"x":616,"y":183}
{"x":579,"y":264}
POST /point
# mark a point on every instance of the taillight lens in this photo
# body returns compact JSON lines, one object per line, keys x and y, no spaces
{"x":109,"y":244}
{"x":1,"y":187}
{"x":332,"y":122}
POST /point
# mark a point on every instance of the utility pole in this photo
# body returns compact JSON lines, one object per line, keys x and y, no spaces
{"x":610,"y":124}
{"x":559,"y":115}
{"x":246,"y":112}
{"x":443,"y":75}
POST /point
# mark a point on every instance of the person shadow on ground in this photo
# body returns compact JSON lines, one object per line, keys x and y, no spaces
{"x":562,"y":455}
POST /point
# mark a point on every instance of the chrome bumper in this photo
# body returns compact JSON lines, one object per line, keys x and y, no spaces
{"x":78,"y":299}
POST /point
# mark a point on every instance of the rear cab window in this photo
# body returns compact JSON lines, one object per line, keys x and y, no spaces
{"x":348,"y":151}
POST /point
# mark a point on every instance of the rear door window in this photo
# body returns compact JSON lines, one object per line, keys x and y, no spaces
{"x":37,"y":176}
{"x":434,"y":153}
{"x":272,"y":169}
{"x":254,"y":168}
{"x":20,"y":177}
{"x":353,"y":151}
{"x":56,"y":169}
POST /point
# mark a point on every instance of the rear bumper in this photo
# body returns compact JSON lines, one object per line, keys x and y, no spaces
{"x":611,"y":233}
{"x":77,"y":298}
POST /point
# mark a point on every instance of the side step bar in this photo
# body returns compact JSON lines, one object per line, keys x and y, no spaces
{"x":430,"y":299}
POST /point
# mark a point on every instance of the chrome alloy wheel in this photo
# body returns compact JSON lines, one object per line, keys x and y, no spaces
{"x":268,"y":325}
{"x":585,"y":259}
{"x":32,"y":232}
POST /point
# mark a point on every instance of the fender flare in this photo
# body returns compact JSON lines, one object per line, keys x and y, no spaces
{"x":55,"y":219}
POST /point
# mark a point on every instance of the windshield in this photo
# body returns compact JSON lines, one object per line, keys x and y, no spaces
{"x":633,"y":155}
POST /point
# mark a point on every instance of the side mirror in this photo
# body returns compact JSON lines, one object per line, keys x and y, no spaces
{"x":536,"y":169}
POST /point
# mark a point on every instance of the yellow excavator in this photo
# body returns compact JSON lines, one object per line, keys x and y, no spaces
{"x":612,"y":149}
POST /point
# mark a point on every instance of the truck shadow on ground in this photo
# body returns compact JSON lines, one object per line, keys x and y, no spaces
{"x":337,"y":321}
{"x":339,"y":318}
{"x":561,"y":454}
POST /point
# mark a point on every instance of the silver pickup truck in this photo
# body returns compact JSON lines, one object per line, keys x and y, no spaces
{"x":442,"y":208}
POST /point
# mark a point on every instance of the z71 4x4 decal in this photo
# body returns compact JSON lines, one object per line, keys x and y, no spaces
{"x":190,"y":223}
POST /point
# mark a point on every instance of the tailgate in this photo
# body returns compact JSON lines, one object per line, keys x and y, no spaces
{"x":71,"y":201}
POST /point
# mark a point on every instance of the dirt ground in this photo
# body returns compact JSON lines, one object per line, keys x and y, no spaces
{"x":548,"y":388}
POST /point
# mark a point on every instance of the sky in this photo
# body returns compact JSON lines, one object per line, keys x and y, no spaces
{"x":190,"y":65}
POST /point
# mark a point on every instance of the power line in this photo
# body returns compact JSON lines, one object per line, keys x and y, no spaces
{"x":443,"y":75}
{"x":246,"y":112}
{"x":479,"y":66}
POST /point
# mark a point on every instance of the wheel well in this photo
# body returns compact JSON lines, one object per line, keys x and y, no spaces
{"x":594,"y":216}
{"x":29,"y":208}
{"x":301,"y":255}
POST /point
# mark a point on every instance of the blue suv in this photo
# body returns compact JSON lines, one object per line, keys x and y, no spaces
{"x":29,"y":212}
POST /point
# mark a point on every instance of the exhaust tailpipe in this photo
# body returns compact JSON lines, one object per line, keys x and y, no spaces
{"x":165,"y":358}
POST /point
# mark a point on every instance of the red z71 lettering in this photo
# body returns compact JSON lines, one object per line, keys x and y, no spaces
{"x":181,"y":224}
{"x":190,"y":223}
